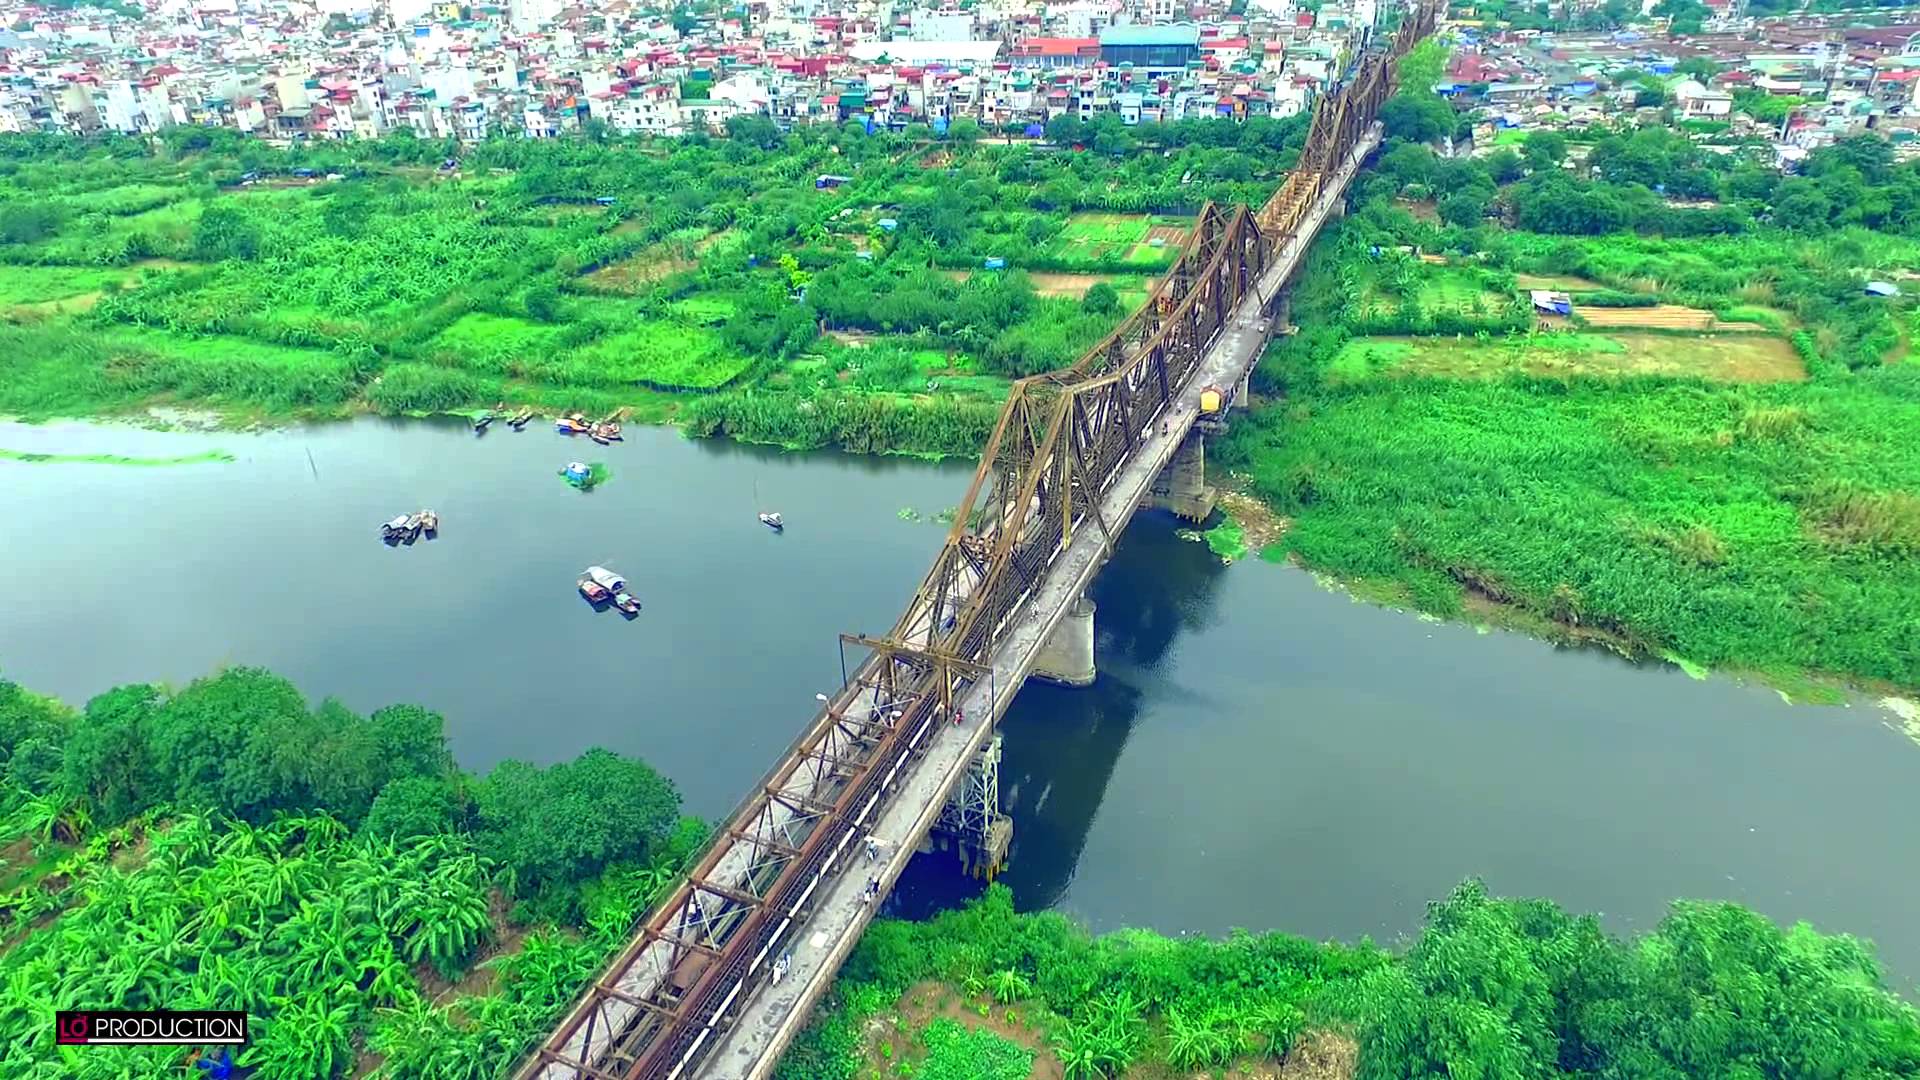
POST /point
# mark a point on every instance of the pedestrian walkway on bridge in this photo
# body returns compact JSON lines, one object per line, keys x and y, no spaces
{"x":801,"y":865}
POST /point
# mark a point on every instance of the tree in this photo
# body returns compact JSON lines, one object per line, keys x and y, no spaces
{"x":1505,"y":166}
{"x":755,"y":130}
{"x":1870,"y":154}
{"x":108,"y":761}
{"x":29,"y":220}
{"x":565,"y":823}
{"x":1066,"y":130}
{"x":1417,"y":117}
{"x":964,"y":131}
{"x":1407,"y":163}
{"x":542,"y":302}
{"x":32,"y":730}
{"x":1464,"y":208}
{"x":1110,"y":136}
{"x":1101,"y":299}
{"x":1544,"y":150}
{"x":416,"y":806}
{"x":1802,"y":206}
{"x":348,"y":209}
{"x":218,"y":742}
{"x":226,"y":232}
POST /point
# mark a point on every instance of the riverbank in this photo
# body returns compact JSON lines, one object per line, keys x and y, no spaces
{"x":1491,"y":986}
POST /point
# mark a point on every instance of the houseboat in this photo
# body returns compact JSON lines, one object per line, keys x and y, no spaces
{"x":606,"y":579}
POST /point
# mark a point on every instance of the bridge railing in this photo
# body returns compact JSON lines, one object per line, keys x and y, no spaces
{"x":1061,"y":440}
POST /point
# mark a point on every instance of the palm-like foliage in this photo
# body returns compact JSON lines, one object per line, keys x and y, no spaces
{"x":1079,"y":1048}
{"x":295,"y":922}
{"x":1008,"y":985}
{"x":1198,"y":1039}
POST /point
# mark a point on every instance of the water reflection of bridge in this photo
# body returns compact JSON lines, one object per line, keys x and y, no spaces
{"x":1076,"y":452}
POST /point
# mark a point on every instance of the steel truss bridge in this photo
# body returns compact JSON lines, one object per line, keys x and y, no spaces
{"x":1072,"y":457}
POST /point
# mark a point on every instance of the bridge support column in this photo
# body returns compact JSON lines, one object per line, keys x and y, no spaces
{"x":1280,"y":309}
{"x":1182,"y":486}
{"x":971,"y":821}
{"x":1243,"y":392}
{"x":1067,"y":657}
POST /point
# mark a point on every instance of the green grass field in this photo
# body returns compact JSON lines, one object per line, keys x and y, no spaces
{"x":1765,"y":527}
{"x":41,"y":284}
{"x":1094,"y":240}
{"x":1719,"y":357}
{"x":494,"y":343}
{"x":663,"y":354}
{"x":53,"y":370}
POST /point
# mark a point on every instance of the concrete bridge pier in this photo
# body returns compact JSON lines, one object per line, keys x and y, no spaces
{"x":1280,"y":310}
{"x":1067,"y":657}
{"x":1182,"y":486}
{"x":971,"y":824}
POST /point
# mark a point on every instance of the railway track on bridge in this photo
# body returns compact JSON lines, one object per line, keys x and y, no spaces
{"x":1061,"y":440}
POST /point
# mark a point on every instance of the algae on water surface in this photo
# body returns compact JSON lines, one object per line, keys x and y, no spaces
{"x":112,"y":459}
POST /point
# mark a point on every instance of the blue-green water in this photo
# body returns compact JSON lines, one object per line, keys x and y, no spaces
{"x":1259,"y":751}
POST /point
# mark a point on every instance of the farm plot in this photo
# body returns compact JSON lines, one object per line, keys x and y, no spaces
{"x":656,"y":353}
{"x":1657,"y":317}
{"x":638,"y":273}
{"x":1095,"y":240}
{"x":1720,"y":357}
{"x":35,"y":287}
{"x":496,"y":344}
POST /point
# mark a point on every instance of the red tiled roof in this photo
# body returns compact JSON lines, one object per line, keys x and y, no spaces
{"x":1051,"y":46}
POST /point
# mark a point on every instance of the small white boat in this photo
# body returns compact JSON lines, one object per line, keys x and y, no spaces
{"x":772,"y":521}
{"x":626,"y":603}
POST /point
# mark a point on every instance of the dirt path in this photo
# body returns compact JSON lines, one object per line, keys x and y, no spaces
{"x":1657,"y":317}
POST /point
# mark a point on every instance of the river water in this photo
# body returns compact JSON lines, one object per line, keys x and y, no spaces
{"x":1259,"y":751}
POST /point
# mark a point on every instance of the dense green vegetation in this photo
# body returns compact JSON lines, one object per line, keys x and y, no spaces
{"x":1491,"y":988}
{"x":588,"y":274}
{"x":1715,"y":456}
{"x":228,"y":846}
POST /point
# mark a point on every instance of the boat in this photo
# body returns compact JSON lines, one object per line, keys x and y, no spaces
{"x":480,"y":422}
{"x":626,"y":603}
{"x":572,"y":425}
{"x":430,"y":522}
{"x":519,"y":419}
{"x":596,"y":436}
{"x":772,"y":521}
{"x":394,"y":529}
{"x":411,"y":530}
{"x":606,"y":579}
{"x":594,"y":591}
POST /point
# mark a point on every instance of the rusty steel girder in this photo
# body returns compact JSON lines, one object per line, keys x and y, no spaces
{"x":1061,"y":439}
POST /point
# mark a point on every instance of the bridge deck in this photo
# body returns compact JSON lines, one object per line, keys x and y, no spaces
{"x":750,"y":1046}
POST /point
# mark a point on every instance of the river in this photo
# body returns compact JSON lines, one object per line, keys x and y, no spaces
{"x":1260,"y":751}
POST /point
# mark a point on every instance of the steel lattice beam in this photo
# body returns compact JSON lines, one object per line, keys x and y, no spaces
{"x":1059,"y":443}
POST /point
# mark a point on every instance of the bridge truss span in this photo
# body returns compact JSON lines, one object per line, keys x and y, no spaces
{"x":1067,"y":463}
